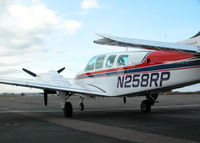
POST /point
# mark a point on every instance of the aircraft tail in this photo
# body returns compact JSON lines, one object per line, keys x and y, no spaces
{"x":194,"y":40}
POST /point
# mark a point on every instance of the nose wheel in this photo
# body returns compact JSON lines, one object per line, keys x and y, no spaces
{"x":68,"y":110}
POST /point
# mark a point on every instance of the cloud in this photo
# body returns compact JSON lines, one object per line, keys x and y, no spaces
{"x":71,"y":26}
{"x":89,"y":4}
{"x":8,"y":71}
{"x":25,"y":25}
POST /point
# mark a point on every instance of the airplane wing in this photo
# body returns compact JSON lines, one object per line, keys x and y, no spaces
{"x":145,"y":44}
{"x":52,"y":83}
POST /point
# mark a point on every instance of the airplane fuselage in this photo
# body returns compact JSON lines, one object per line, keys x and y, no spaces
{"x":140,"y":71}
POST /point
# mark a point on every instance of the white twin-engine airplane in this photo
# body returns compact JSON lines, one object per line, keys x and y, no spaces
{"x":160,"y":67}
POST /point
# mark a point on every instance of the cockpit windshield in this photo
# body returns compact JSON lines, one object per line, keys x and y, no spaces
{"x":95,"y":63}
{"x":90,"y":65}
{"x":99,"y":62}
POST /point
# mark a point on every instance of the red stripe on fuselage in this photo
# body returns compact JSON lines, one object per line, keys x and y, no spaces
{"x":154,"y":58}
{"x":172,"y":69}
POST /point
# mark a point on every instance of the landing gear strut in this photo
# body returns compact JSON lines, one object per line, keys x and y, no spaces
{"x":145,"y":106}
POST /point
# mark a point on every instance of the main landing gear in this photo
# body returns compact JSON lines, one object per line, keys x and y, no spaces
{"x":68,"y":109}
{"x":145,"y":106}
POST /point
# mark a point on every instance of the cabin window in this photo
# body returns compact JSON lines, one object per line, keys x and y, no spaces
{"x":90,"y":65}
{"x":99,"y":62}
{"x":122,"y":60}
{"x":110,"y":60}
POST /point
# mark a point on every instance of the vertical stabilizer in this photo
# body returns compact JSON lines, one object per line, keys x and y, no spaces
{"x":194,"y":40}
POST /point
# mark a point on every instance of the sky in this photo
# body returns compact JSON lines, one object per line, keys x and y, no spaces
{"x":43,"y":35}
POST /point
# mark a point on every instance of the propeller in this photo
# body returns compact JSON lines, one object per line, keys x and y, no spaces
{"x":60,"y":70}
{"x":34,"y":75}
{"x":29,"y":72}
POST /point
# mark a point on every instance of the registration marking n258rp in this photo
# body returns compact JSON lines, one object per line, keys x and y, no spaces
{"x":143,"y":80}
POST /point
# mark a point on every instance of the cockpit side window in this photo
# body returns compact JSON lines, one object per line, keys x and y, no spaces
{"x":122,"y":60}
{"x":90,"y":65}
{"x":110,"y":60}
{"x":99,"y":62}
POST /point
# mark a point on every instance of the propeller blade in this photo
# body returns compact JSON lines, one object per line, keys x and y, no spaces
{"x":60,"y":70}
{"x":29,"y":72}
{"x":45,"y":98}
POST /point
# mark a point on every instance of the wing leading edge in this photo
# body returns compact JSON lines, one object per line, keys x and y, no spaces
{"x":146,"y":44}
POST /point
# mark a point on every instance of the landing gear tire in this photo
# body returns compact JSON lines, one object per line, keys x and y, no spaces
{"x":81,"y":106}
{"x":68,"y":110}
{"x":145,"y":106}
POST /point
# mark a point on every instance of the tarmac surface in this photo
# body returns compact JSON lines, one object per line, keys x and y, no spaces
{"x":175,"y":119}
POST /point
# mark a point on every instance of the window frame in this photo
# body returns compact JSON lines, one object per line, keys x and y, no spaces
{"x":113,"y":64}
{"x":126,"y":62}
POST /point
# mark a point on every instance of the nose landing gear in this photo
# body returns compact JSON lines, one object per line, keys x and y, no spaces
{"x":68,"y":110}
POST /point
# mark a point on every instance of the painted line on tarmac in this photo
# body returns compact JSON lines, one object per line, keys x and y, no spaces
{"x":104,"y":109}
{"x":178,"y":106}
{"x":107,"y":130}
{"x":153,"y":107}
{"x":30,"y":111}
